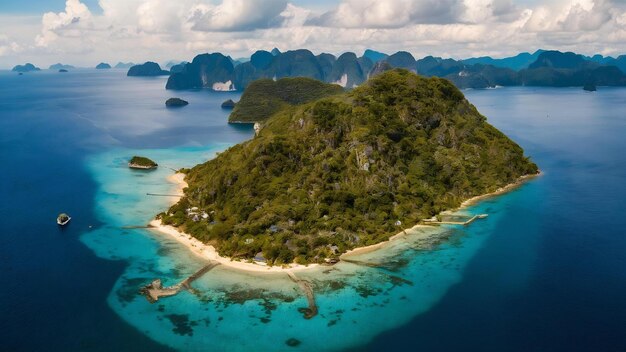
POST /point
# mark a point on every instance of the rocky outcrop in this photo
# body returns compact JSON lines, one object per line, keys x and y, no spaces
{"x":176,"y":102}
{"x":203,"y":72}
{"x":147,"y":69}
{"x":228,"y":104}
{"x":25,"y":68}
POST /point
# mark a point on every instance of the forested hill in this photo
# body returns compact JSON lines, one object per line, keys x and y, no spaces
{"x":264,"y":97}
{"x":348,"y":170}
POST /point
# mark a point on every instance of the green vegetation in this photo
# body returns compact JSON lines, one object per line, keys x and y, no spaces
{"x":340,"y":172}
{"x":265,"y":97}
{"x":140,"y":161}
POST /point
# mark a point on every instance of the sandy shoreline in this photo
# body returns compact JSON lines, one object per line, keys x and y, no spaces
{"x":465,"y":204}
{"x":209,"y":252}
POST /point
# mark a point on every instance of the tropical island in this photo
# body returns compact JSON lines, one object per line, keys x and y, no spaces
{"x":346,"y":171}
{"x":148,"y":69}
{"x":103,"y":66}
{"x":265,"y":97}
{"x":61,"y":66}
{"x":25,"y":68}
{"x":140,"y":162}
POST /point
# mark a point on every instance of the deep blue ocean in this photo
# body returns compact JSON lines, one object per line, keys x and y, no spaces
{"x":546,"y":271}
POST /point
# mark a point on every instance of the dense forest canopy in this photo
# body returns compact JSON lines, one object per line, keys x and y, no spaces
{"x":347,"y":171}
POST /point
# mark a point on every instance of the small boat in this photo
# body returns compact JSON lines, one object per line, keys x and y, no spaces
{"x":63,"y":219}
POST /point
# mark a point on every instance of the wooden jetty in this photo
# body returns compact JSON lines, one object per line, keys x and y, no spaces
{"x":305,"y":286}
{"x":155,"y":289}
{"x":464,"y":223}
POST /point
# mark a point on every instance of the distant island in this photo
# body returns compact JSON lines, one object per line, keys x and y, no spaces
{"x":60,"y":66}
{"x":62,"y":70}
{"x":176,"y":102}
{"x":346,"y":171}
{"x":140,"y":162}
{"x":25,"y":68}
{"x":147,"y":69}
{"x":542,"y":68}
{"x":103,"y":66}
{"x":124,"y":65}
{"x":228,"y":104}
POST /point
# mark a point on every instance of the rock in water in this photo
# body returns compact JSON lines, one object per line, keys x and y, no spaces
{"x":228,"y":104}
{"x":176,"y":102}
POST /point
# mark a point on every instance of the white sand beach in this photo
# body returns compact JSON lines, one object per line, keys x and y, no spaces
{"x":209,"y":252}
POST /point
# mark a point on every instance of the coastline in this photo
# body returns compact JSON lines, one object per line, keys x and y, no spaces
{"x":467,"y":203}
{"x":209,"y":252}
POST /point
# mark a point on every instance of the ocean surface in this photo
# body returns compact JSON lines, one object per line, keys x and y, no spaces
{"x":546,"y":271}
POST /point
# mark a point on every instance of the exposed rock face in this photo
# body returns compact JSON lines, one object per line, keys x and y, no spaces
{"x":347,"y":71}
{"x":203,"y":72}
{"x":380,"y":67}
{"x":176,"y":102}
{"x":374,"y":56}
{"x":147,"y":69}
{"x":402,"y":59}
{"x":103,"y":66}
{"x":25,"y":68}
{"x":216,"y":71}
{"x":567,"y":60}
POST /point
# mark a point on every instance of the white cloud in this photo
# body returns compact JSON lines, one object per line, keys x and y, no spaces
{"x":160,"y":30}
{"x":237,"y":15}
{"x":390,"y":13}
{"x":70,"y":23}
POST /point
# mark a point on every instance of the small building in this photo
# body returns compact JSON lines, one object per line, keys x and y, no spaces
{"x":259,"y":258}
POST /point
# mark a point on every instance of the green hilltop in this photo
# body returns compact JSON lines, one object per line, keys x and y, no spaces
{"x":347,"y":171}
{"x":264,"y":97}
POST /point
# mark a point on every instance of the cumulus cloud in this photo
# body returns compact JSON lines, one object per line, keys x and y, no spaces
{"x":140,"y":30}
{"x":69,"y":23}
{"x":390,"y":13}
{"x":8,"y":46}
{"x":237,"y":15}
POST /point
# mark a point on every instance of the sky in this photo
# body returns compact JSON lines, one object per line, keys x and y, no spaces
{"x":86,"y":32}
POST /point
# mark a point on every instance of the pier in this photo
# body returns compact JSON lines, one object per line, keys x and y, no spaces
{"x":305,"y":286}
{"x":464,"y":223}
{"x":155,"y":289}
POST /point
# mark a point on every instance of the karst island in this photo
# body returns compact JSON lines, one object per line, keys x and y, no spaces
{"x":344,"y":169}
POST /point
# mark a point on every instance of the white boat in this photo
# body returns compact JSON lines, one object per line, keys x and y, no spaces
{"x":63,"y":219}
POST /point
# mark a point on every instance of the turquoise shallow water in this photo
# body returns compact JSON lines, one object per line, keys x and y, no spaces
{"x":544,"y":272}
{"x":355,"y":302}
